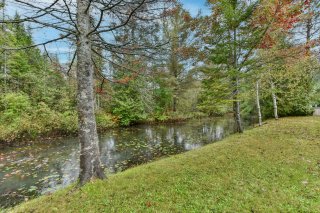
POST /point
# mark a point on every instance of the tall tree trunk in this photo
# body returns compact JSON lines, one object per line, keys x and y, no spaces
{"x":5,"y":71}
{"x":236,"y":101}
{"x":174,"y":61}
{"x":258,"y":103}
{"x":174,"y":71}
{"x":274,"y":99}
{"x":237,"y":108}
{"x":174,"y":103}
{"x":308,"y":29}
{"x":90,"y":165}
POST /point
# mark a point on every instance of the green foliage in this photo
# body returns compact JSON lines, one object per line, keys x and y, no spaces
{"x":128,"y":110}
{"x":316,"y":97}
{"x":295,"y":87}
{"x":127,"y":103}
{"x":69,"y":122}
{"x":296,"y":91}
{"x":161,"y":117}
{"x":13,"y":105}
{"x":20,"y":119}
{"x":14,"y":110}
{"x":231,"y":40}
{"x":215,"y":98}
{"x":104,"y":120}
{"x":162,"y":97}
{"x":37,"y":99}
{"x":189,"y":98}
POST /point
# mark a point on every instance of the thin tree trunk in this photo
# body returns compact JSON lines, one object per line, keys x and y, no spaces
{"x":174,"y":103}
{"x":237,"y":109}
{"x":258,"y":103}
{"x":174,"y":61}
{"x":274,"y":99}
{"x":97,"y":101}
{"x":174,"y":71}
{"x":90,"y":165}
{"x":236,"y":102}
{"x":5,"y":71}
{"x":308,"y":33}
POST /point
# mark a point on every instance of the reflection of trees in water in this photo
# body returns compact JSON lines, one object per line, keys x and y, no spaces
{"x":110,"y":156}
{"x":70,"y":169}
{"x":219,"y":132}
{"x":120,"y":149}
{"x":64,"y":170}
{"x":176,"y":138}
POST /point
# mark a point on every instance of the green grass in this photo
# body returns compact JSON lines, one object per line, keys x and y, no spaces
{"x":274,"y":168}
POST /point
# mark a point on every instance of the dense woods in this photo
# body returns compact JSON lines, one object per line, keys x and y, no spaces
{"x":152,"y":61}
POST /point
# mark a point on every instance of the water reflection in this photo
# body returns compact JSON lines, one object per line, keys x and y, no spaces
{"x":43,"y":168}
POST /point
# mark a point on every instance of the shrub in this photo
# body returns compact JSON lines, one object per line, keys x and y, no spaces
{"x":13,"y":106}
{"x":69,"y":121}
{"x":128,"y":111}
{"x":104,"y":120}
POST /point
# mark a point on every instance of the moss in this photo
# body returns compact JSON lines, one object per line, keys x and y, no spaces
{"x":274,"y":168}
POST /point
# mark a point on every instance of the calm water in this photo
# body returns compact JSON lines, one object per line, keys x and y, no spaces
{"x":30,"y":171}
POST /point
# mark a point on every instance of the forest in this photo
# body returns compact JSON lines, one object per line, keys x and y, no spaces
{"x":254,"y":60}
{"x":138,"y":62}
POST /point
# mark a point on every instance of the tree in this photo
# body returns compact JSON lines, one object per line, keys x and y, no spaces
{"x":215,"y":97}
{"x":258,"y":102}
{"x":90,"y":164}
{"x":231,"y":40}
{"x":308,"y":26}
{"x":178,"y":27}
{"x":280,"y":17}
{"x":89,"y":24}
{"x":33,"y":78}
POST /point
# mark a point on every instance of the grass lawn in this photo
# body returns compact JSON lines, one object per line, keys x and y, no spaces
{"x":274,"y":168}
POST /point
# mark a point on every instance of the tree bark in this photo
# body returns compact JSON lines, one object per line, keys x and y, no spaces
{"x":258,"y":103}
{"x":237,"y":109}
{"x":174,"y":61}
{"x":308,"y":33}
{"x":90,"y":165}
{"x":174,"y":71}
{"x":236,"y":102}
{"x":174,"y":103}
{"x":274,"y":99}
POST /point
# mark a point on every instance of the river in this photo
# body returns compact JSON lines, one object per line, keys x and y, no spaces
{"x":32,"y":170}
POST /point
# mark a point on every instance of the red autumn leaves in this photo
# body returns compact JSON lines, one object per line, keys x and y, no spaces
{"x":277,"y":16}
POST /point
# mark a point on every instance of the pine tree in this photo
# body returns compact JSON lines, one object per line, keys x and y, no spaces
{"x":231,"y":40}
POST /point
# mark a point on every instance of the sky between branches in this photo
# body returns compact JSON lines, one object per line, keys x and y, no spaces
{"x":64,"y":51}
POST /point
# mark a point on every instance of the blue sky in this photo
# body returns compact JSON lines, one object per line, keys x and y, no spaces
{"x":64,"y":51}
{"x":194,"y":6}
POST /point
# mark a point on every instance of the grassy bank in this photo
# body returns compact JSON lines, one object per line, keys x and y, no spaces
{"x":275,"y":168}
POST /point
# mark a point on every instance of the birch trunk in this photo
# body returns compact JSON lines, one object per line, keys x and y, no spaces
{"x":274,"y":99}
{"x":258,"y":103}
{"x":90,"y":165}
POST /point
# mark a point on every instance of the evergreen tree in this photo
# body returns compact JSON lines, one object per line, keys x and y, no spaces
{"x":231,"y":40}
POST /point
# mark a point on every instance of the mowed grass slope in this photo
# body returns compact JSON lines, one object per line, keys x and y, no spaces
{"x":274,"y":168}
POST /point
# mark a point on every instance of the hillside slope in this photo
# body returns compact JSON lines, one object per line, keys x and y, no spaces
{"x":274,"y":168}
